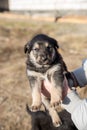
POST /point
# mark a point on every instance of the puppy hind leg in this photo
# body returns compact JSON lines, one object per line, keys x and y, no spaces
{"x":52,"y":112}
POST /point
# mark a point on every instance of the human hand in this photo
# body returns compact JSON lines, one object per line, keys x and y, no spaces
{"x":45,"y":88}
{"x":66,"y":88}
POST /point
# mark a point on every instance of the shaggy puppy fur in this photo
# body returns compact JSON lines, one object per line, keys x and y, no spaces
{"x":45,"y":66}
{"x":42,"y":121}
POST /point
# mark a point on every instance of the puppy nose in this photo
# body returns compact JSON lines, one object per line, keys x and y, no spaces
{"x":43,"y":57}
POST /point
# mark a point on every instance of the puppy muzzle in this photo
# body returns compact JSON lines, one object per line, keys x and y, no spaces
{"x":43,"y":59}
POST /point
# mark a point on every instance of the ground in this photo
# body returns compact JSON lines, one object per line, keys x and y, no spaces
{"x":15,"y":31}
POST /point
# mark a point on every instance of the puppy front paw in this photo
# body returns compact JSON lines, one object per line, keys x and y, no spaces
{"x":55,"y":102}
{"x":35,"y":107}
{"x":56,"y":96}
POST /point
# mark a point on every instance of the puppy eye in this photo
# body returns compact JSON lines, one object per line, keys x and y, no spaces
{"x":49,"y":48}
{"x":36,"y":49}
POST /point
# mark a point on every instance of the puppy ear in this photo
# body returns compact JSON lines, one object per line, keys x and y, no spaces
{"x":55,"y":43}
{"x":27,"y":48}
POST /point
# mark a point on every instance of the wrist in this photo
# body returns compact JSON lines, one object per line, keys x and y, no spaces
{"x":71,"y":101}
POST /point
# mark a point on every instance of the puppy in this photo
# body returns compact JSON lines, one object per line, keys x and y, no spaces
{"x":41,"y":120}
{"x":45,"y":66}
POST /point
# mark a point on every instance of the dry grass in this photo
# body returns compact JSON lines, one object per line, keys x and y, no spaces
{"x":14,"y":88}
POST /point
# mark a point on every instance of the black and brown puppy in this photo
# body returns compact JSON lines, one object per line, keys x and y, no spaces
{"x":41,"y":120}
{"x":45,"y":66}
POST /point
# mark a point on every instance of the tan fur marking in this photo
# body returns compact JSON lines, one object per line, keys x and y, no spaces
{"x":36,"y":45}
{"x":46,"y":44}
{"x":36,"y":97}
{"x":56,"y":94}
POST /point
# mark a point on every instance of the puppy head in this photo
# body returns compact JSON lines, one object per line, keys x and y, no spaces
{"x":42,"y":49}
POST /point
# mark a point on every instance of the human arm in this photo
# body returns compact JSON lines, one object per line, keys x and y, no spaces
{"x":77,"y":108}
{"x":78,"y":76}
{"x":72,"y":102}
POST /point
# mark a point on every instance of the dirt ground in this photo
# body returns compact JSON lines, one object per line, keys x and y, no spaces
{"x":14,"y":87}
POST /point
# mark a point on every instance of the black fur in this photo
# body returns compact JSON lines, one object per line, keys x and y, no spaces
{"x":42,"y":121}
{"x":40,"y":37}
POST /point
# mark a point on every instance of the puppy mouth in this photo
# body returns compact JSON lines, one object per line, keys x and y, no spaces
{"x":44,"y":61}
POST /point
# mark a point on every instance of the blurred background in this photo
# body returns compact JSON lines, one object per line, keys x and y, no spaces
{"x":20,"y":20}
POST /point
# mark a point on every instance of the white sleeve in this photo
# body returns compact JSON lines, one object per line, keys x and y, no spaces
{"x":78,"y":109}
{"x":73,"y":104}
{"x":79,"y":115}
{"x":81,"y":74}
